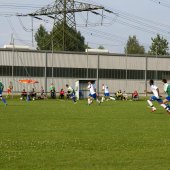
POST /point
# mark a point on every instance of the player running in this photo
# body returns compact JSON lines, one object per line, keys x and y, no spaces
{"x":1,"y":90}
{"x":167,"y":91}
{"x":106,"y":96}
{"x":71,"y":93}
{"x":156,"y":97}
{"x":92,"y":94}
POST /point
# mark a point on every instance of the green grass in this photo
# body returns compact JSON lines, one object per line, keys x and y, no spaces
{"x":60,"y":135}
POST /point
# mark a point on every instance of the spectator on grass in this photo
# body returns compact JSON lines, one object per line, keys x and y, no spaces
{"x":42,"y":94}
{"x":135,"y":95}
{"x":119,"y":95}
{"x":125,"y":96}
{"x":23,"y":94}
{"x":32,"y":94}
{"x":52,"y":91}
{"x":10,"y":90}
{"x":61,"y":95}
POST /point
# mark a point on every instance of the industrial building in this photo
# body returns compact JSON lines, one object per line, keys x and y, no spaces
{"x":125,"y":72}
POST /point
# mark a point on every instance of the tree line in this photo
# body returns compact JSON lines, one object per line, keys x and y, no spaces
{"x":64,"y":38}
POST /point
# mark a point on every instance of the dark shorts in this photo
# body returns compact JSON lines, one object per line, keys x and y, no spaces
{"x":93,"y":95}
{"x":168,"y":98}
{"x":106,"y":94}
{"x":153,"y":98}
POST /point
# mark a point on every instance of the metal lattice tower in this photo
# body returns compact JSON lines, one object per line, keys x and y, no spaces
{"x":63,"y":12}
{"x":65,"y":16}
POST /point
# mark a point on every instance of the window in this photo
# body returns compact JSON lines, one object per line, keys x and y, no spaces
{"x":5,"y":70}
{"x":82,"y":73}
{"x":29,"y":71}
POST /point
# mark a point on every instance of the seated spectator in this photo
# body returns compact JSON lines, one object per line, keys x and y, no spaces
{"x":61,"y":95}
{"x":119,"y":95}
{"x":42,"y":94}
{"x":125,"y":96}
{"x":53,"y":94}
{"x":135,"y":95}
{"x":23,"y":94}
{"x":52,"y":91}
{"x":32,"y":94}
{"x":9,"y":90}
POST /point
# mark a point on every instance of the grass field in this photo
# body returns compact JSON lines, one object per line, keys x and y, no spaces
{"x":60,"y":135}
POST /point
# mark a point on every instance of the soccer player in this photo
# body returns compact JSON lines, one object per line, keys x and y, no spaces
{"x":1,"y":90}
{"x":155,"y":97}
{"x":106,"y":93}
{"x":92,"y":94}
{"x":71,"y":93}
{"x":167,"y":90}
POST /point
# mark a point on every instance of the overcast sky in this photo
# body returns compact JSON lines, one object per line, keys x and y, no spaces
{"x":143,"y":18}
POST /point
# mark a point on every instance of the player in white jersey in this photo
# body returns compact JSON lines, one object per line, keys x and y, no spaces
{"x":92,"y":95}
{"x":71,"y":93}
{"x":156,"y":96}
{"x":1,"y":90}
{"x":106,"y":96}
{"x":167,"y":91}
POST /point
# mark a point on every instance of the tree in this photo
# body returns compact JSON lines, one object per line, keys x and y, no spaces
{"x":42,"y":38}
{"x":133,"y":46}
{"x":159,"y":46}
{"x":63,"y":38}
{"x":101,"y":47}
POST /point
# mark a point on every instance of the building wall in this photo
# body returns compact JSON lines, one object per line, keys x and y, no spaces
{"x":117,"y":71}
{"x":122,"y":62}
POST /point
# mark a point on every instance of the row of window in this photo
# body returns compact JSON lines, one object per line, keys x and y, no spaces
{"x":22,"y":71}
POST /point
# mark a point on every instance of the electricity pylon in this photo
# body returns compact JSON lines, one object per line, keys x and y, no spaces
{"x":63,"y":12}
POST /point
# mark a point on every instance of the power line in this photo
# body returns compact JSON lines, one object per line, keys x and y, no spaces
{"x":137,"y":19}
{"x":147,"y":25}
{"x":21,"y":23}
{"x":15,"y":33}
{"x":139,"y":24}
{"x":16,"y":6}
{"x":114,"y":16}
{"x":162,"y":3}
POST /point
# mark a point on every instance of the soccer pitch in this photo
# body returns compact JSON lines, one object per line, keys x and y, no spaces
{"x":60,"y":135}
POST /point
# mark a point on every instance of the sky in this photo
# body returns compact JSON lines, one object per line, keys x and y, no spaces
{"x":143,"y":18}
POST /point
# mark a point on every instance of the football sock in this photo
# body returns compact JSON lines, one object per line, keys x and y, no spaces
{"x":150,"y":103}
{"x":168,"y":107}
{"x":164,"y":106}
{"x":89,"y":101}
{"x":74,"y":99}
{"x":3,"y":100}
{"x":102,"y":99}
